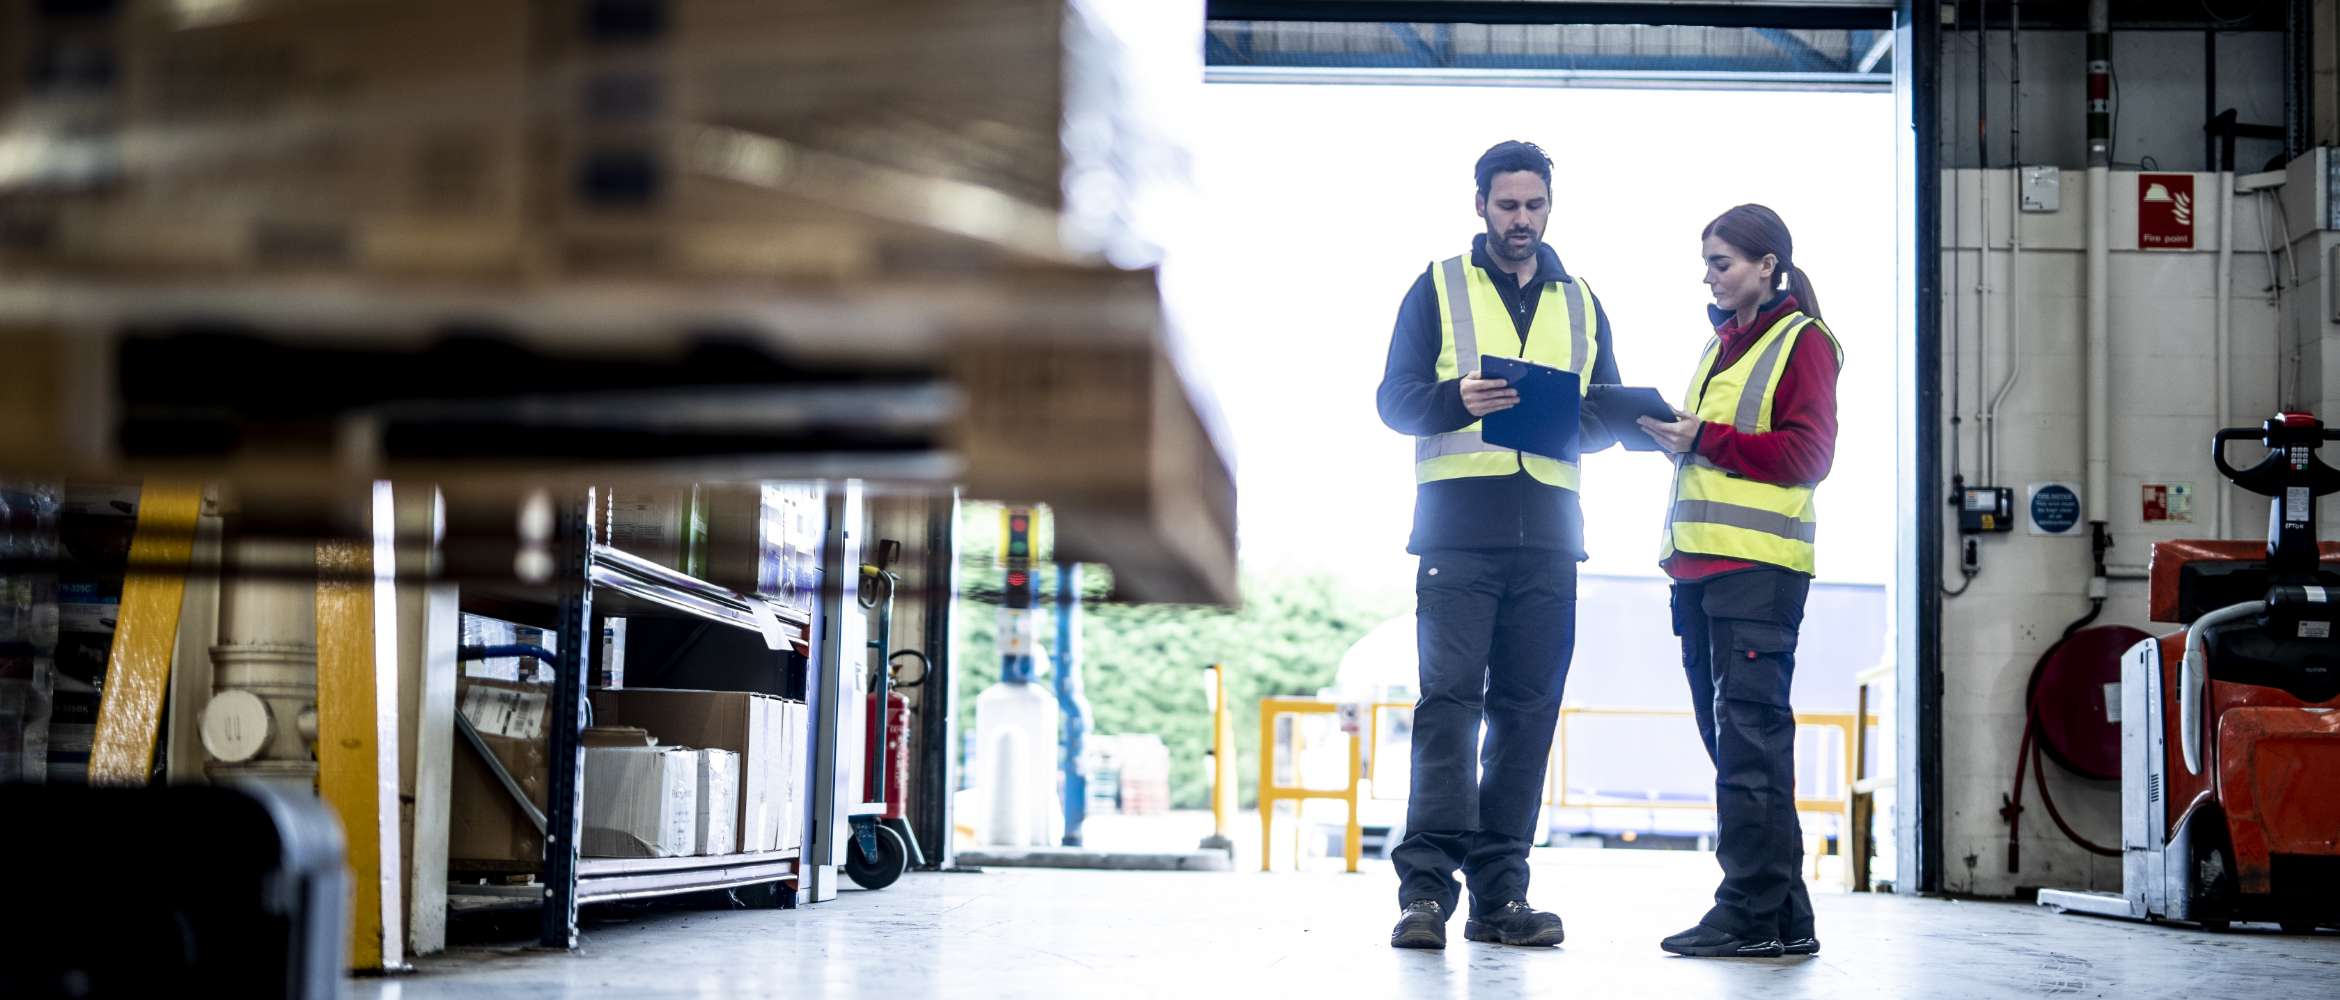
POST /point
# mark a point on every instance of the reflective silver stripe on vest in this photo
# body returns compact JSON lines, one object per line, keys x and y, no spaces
{"x":1735,"y":516}
{"x":1577,"y":349}
{"x":1458,"y":312}
{"x":1455,"y":443}
{"x":1752,"y":394}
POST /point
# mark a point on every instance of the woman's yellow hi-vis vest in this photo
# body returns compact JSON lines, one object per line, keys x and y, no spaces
{"x":1472,"y":321}
{"x":1724,"y":514}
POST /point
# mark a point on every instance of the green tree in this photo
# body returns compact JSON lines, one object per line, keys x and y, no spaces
{"x":1143,"y":663}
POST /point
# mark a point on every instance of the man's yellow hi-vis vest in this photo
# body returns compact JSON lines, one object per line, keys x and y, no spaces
{"x":1472,"y":321}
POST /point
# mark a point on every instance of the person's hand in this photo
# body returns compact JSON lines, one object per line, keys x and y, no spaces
{"x":1675,"y":437}
{"x":1483,"y":396}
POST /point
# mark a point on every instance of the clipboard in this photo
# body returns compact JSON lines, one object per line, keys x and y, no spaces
{"x":1545,"y":421}
{"x":1619,"y":407}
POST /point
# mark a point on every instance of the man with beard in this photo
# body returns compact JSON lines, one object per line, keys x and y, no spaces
{"x":1499,"y":533}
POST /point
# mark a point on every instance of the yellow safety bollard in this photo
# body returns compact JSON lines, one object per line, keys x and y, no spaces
{"x":1222,"y":759}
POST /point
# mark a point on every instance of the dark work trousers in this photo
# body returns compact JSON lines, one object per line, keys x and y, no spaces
{"x":1739,"y":649}
{"x":1495,"y":629}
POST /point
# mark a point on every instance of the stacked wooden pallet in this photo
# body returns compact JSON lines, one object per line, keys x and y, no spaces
{"x":726,"y":239}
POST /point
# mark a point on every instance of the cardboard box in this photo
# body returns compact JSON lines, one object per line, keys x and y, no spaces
{"x":787,"y":774}
{"x":666,"y":526}
{"x":764,"y":539}
{"x":755,"y":726}
{"x":718,"y":813}
{"x":484,"y":823}
{"x":640,"y":802}
{"x":616,"y":736}
{"x":512,"y":710}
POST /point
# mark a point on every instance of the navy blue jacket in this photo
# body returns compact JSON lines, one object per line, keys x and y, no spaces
{"x":1482,"y":512}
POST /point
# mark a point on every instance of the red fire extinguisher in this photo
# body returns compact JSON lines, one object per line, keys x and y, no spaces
{"x":890,"y":778}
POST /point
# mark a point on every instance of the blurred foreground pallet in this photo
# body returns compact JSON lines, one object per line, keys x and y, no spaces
{"x":1056,"y":391}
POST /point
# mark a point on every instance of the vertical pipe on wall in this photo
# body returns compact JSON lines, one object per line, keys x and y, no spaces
{"x":2099,"y":263}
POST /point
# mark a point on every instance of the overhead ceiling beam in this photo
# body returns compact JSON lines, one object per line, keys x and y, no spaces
{"x":1843,"y":15}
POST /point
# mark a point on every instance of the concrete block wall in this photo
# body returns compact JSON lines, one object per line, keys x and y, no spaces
{"x":2162,"y":418}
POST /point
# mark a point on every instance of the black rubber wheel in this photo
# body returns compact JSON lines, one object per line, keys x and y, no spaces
{"x":2213,"y":883}
{"x":893,"y":858}
{"x":2298,"y":926}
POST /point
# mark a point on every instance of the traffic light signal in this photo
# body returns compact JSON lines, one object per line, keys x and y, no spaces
{"x":1016,"y":547}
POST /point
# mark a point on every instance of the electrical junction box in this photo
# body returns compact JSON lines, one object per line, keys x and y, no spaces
{"x":2042,"y":189}
{"x":1986,"y":509}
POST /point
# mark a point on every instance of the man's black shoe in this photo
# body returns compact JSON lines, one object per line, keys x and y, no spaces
{"x":1806,"y":945}
{"x":1516,"y":923}
{"x":1422,"y":926}
{"x":1706,"y":942}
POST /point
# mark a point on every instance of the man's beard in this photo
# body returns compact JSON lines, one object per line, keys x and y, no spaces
{"x":1501,"y":245}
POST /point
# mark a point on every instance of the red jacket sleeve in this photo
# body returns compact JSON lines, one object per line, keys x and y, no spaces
{"x":1801,"y":444}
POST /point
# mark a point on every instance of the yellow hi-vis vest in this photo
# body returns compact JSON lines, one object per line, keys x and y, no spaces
{"x":1472,"y":321}
{"x":1719,"y":513}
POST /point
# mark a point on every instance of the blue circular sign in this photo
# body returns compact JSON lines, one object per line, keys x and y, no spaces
{"x":2055,"y":509}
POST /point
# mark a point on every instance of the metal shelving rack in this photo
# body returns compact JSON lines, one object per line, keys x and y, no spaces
{"x":597,"y":578}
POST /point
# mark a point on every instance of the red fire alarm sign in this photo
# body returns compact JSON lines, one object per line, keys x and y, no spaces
{"x":2165,"y":211}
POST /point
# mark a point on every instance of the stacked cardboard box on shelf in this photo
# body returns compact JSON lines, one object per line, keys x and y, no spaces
{"x":640,"y":802}
{"x":486,"y":825}
{"x":764,"y":539}
{"x":755,"y":538}
{"x":667,"y":774}
{"x":767,"y":733}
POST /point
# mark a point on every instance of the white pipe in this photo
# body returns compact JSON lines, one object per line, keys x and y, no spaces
{"x":2014,"y":303}
{"x":2099,"y":444}
{"x":1989,"y":418}
{"x":2194,"y":678}
{"x":2100,"y":265}
{"x":2099,"y":338}
{"x":2224,"y":330}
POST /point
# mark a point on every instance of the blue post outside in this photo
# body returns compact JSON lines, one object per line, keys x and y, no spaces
{"x":1070,"y":699}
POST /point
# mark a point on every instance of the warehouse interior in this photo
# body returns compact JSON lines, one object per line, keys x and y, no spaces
{"x":702,"y":498}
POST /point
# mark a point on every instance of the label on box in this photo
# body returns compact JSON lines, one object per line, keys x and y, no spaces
{"x":88,"y":607}
{"x":498,"y":711}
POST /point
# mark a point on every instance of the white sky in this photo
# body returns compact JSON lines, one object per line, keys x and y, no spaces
{"x":1320,"y":204}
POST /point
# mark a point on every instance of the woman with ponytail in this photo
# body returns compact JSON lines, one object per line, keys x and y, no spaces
{"x":1756,"y":435}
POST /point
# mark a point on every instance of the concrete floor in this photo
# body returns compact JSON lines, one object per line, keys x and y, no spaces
{"x":1025,"y":933}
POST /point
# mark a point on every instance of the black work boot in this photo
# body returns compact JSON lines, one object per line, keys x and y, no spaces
{"x":1706,"y":942}
{"x":1422,"y":926}
{"x":1516,"y":923}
